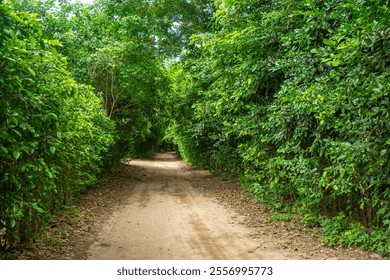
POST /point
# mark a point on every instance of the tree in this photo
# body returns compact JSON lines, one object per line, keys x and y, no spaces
{"x":54,"y":133}
{"x":291,"y":95}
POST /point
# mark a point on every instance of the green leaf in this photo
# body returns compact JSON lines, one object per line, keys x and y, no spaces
{"x":310,"y":4}
{"x":52,"y":150}
{"x":32,"y":72}
{"x":12,"y":223}
{"x":16,"y":155}
{"x":37,"y":208}
{"x":54,"y":51}
{"x":3,"y":149}
{"x":329,"y":42}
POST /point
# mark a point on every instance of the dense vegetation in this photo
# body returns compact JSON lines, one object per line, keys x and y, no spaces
{"x":293,"y":96}
{"x":289,"y":97}
{"x":77,"y":93}
{"x":54,"y":133}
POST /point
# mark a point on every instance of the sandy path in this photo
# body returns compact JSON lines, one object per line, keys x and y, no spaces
{"x":164,"y":217}
{"x":165,"y":209}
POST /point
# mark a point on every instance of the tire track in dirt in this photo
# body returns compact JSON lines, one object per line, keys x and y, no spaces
{"x":166,"y":218}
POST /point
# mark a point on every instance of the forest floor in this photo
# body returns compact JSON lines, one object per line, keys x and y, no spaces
{"x":162,"y":208}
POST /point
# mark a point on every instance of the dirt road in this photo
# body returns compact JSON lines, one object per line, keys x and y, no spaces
{"x":166,"y":218}
{"x":165,"y":209}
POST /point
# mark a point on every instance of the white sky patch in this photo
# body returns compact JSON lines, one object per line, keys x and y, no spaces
{"x":84,"y":1}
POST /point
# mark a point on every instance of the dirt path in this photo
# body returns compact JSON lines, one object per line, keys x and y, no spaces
{"x":174,"y":211}
{"x":165,"y":209}
{"x":166,"y":218}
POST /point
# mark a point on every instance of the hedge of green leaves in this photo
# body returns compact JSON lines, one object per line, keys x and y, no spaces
{"x":54,"y":132}
{"x":294,"y":97}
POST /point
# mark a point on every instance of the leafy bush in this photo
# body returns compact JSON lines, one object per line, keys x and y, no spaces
{"x":54,"y":132}
{"x":295,"y":95}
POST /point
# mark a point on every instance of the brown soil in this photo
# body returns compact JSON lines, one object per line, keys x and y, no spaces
{"x":163,"y":208}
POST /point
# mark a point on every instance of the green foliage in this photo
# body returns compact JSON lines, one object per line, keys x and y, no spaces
{"x":290,"y":96}
{"x":113,"y":47}
{"x":293,"y":96}
{"x":56,"y":137}
{"x":341,"y":230}
{"x":54,"y":132}
{"x":125,"y":69}
{"x":177,"y":20}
